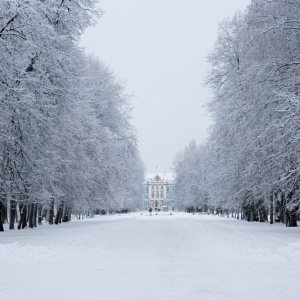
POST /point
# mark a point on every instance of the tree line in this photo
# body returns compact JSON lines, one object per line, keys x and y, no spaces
{"x":66,"y":141}
{"x":250,"y":164}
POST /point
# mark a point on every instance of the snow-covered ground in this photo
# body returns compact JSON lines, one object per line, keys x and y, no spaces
{"x":139,"y":257}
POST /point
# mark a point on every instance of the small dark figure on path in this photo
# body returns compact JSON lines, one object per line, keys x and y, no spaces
{"x":150,"y":211}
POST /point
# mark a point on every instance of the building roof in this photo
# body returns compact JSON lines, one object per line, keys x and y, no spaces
{"x":163,"y":176}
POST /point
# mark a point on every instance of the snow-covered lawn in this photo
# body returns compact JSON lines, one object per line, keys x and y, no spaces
{"x":139,"y":257}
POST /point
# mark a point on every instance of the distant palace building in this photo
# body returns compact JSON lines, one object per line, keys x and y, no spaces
{"x":158,"y":192}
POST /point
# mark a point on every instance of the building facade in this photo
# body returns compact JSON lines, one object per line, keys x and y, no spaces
{"x":158,"y":192}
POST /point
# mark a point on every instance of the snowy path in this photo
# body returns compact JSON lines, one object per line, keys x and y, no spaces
{"x":138,"y":257}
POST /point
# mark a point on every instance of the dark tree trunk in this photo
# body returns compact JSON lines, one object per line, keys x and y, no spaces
{"x":57,"y":217}
{"x":291,"y":217}
{"x":281,"y":209}
{"x":248,"y":214}
{"x":35,"y":210}
{"x":13,"y":206}
{"x":4,"y":214}
{"x":23,"y":216}
{"x":291,"y":213}
{"x":39,"y":213}
{"x":31,"y":216}
{"x":255,"y":216}
{"x":272,"y":209}
{"x":263,"y":214}
{"x":59,"y":214}
{"x":1,"y":216}
{"x":66,"y":215}
{"x":69,"y":214}
{"x":51,"y":212}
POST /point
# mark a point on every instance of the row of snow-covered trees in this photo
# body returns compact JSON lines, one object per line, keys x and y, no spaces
{"x":66,"y":143}
{"x":251,"y":161}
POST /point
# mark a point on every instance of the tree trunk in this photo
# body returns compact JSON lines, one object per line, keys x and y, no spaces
{"x":59,"y":214}
{"x":255,"y":214}
{"x":34,"y":221}
{"x":23,"y":216}
{"x":40,"y":214}
{"x":281,"y":206}
{"x":31,"y":216}
{"x":51,"y":212}
{"x":69,"y":214}
{"x":12,"y":214}
{"x":1,"y":216}
{"x":291,"y":217}
{"x":263,"y":214}
{"x":65,"y":217}
{"x":247,"y":214}
{"x":272,"y":209}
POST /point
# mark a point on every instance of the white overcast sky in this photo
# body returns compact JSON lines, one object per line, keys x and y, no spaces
{"x":159,"y":47}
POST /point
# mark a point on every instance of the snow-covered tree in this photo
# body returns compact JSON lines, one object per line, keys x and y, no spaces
{"x":190,"y":184}
{"x":66,"y":142}
{"x":254,"y":140}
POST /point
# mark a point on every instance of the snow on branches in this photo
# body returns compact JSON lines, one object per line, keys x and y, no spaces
{"x":254,"y":144}
{"x":66,"y":144}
